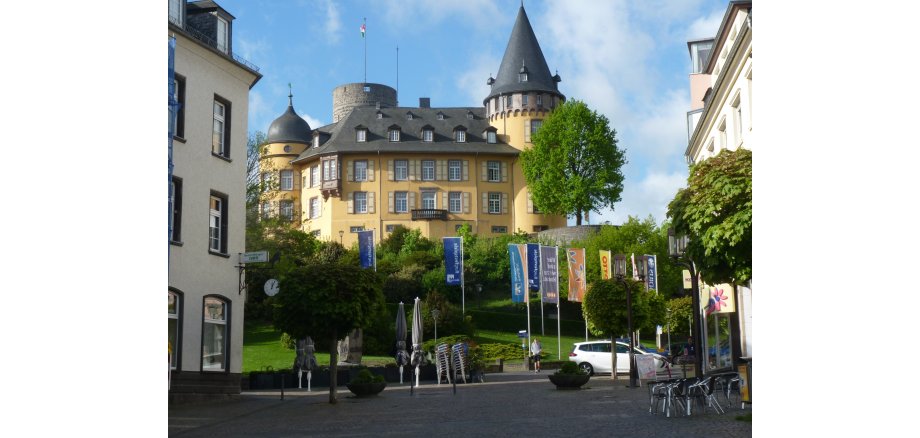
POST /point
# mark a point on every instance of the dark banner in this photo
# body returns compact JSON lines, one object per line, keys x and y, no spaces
{"x":453,"y":259}
{"x":518,"y":256}
{"x":549,"y":274}
{"x":533,"y":266}
{"x":366,"y":248}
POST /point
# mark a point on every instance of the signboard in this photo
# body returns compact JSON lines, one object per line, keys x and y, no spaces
{"x":549,"y":275}
{"x":453,"y":260}
{"x":366,"y":248}
{"x":518,"y":258}
{"x":576,"y":262}
{"x":254,"y":257}
{"x":606,"y":267}
{"x":652,"y":276}
{"x":718,"y":298}
{"x":688,"y":280}
{"x":645,"y":363}
{"x":522,"y":333}
{"x":533,"y":266}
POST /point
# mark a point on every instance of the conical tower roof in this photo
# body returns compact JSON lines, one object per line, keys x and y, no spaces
{"x":523,"y":52}
{"x":290,"y":128}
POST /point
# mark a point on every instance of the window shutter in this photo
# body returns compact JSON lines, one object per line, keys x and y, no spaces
{"x":411,"y":200}
{"x":370,"y":170}
{"x":504,"y":171}
{"x":504,"y":203}
{"x":350,"y":166}
{"x":485,"y":170}
{"x":370,"y":202}
{"x":466,"y":202}
{"x":466,"y":170}
{"x":444,"y":201}
{"x":413,"y":164}
{"x":441,"y":165}
{"x":391,"y":210}
{"x":351,"y":202}
{"x":390,"y":164}
{"x":529,"y":202}
{"x":485,"y":202}
{"x":527,"y":131}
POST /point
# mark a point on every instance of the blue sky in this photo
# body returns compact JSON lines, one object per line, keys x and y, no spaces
{"x":627,"y":60}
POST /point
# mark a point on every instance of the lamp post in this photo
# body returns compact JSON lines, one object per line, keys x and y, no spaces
{"x":341,"y":235}
{"x":619,"y":271}
{"x":677,"y":249}
{"x":434,"y":314}
{"x":479,"y":294}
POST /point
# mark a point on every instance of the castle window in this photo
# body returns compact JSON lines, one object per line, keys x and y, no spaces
{"x":491,"y":137}
{"x":540,"y":100}
{"x":508,"y":101}
{"x":287,"y":180}
{"x":223,"y":35}
{"x":524,"y":99}
{"x":394,"y":134}
{"x":440,"y":116}
{"x":428,"y":135}
{"x":361,"y":135}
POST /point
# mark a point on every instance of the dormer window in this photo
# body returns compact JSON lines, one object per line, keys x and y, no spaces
{"x":379,"y":115}
{"x":460,"y":134}
{"x":522,"y":75}
{"x":361,"y":134}
{"x":316,"y":141}
{"x":490,"y":135}
{"x":469,"y":115}
{"x":427,"y":134}
{"x":409,"y":115}
{"x":394,"y":132}
{"x":440,"y":115}
{"x":223,"y":34}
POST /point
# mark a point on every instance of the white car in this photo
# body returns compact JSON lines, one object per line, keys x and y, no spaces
{"x":594,"y":357}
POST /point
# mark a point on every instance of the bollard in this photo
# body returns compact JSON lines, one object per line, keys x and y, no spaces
{"x":282,"y":386}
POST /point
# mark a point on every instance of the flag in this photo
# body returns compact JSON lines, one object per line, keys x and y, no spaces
{"x":533,"y":266}
{"x":632,"y":257}
{"x":453,"y":260}
{"x":576,"y":262}
{"x":363,"y":30}
{"x":606,"y":267}
{"x":518,"y":258}
{"x":366,"y":248}
{"x":549,"y":282}
{"x":652,"y":271}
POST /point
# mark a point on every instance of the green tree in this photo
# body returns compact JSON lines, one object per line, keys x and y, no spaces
{"x":605,"y":309}
{"x":327,"y":300}
{"x":254,"y":147}
{"x":574,"y":164}
{"x":715,"y":211}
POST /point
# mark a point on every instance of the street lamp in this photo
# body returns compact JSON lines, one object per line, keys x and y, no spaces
{"x":434,"y":314}
{"x":479,"y":294}
{"x":619,"y":271}
{"x":341,"y":235}
{"x":677,"y":249}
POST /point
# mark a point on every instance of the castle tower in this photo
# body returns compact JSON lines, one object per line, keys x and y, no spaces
{"x":288,"y":136}
{"x":523,"y":94}
{"x":348,"y":96}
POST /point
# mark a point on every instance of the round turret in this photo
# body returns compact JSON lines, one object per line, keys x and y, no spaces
{"x":290,"y":128}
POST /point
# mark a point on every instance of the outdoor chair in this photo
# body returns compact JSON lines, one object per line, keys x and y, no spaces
{"x":673,"y":394}
{"x":729,"y":385}
{"x":442,"y":363}
{"x":702,"y":392}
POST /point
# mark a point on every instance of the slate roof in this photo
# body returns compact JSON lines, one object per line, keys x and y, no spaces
{"x":340,"y":137}
{"x":523,"y":50}
{"x":290,"y":127}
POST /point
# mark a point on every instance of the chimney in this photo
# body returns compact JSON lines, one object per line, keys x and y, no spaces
{"x":424,"y":102}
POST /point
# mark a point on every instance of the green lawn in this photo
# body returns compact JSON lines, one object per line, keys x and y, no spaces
{"x":550,"y":342}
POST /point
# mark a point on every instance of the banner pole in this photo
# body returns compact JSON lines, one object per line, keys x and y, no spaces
{"x":558,"y":313}
{"x":462,"y":284}
{"x":540,"y":287}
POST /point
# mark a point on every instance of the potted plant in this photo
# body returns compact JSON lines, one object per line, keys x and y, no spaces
{"x":366,"y":384}
{"x":569,"y":376}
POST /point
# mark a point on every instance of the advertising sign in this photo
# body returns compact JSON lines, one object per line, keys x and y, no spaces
{"x":518,"y":257}
{"x":366,"y":248}
{"x":549,"y":274}
{"x":533,"y":266}
{"x":606,"y":266}
{"x":652,"y":279}
{"x":576,"y":262}
{"x":453,"y":259}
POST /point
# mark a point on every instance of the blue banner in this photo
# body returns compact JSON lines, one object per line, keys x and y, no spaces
{"x":518,"y":272}
{"x":453,"y":259}
{"x":549,"y":274}
{"x":533,"y":266}
{"x":650,"y":261}
{"x":366,"y":248}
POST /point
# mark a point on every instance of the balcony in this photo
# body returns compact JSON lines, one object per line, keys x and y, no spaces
{"x":331,"y":187}
{"x":427,"y":214}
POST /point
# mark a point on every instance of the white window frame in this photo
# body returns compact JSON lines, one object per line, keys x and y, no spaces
{"x":404,"y":208}
{"x":287,"y":179}
{"x":455,"y":202}
{"x":535,"y":124}
{"x":315,"y":179}
{"x":494,"y":171}
{"x":217,"y":322}
{"x":316,"y":141}
{"x":218,"y":134}
{"x":400,"y":170}
{"x":286,"y":209}
{"x":394,"y":134}
{"x":427,"y":135}
{"x":429,"y":199}
{"x":738,"y":117}
{"x":360,"y":199}
{"x":454,"y":170}
{"x":492,"y":137}
{"x":428,"y":170}
{"x":361,"y":170}
{"x":361,"y":135}
{"x":460,"y":136}
{"x":495,"y":203}
{"x":524,"y":99}
{"x":223,"y":35}
{"x":215,"y":234}
{"x":266,"y":210}
{"x":314,"y":207}
{"x":330,"y":170}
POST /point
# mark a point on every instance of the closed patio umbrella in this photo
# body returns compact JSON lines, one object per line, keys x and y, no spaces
{"x":402,"y":356}
{"x":417,"y":356}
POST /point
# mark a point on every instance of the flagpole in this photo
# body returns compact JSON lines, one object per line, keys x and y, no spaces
{"x":462,"y":285}
{"x":365,"y":49}
{"x":558,"y":313}
{"x":526,"y":302}
{"x":373,"y":247}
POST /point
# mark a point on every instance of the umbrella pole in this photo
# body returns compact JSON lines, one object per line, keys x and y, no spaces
{"x":400,"y":374}
{"x":309,"y":377}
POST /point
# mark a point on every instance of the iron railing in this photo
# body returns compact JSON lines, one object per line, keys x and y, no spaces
{"x":427,"y":214}
{"x":198,"y":35}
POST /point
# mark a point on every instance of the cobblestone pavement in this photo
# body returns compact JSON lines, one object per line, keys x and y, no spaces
{"x":506,"y":404}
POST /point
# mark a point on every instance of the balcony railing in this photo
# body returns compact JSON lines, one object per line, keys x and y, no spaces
{"x":198,"y":35}
{"x":427,"y":214}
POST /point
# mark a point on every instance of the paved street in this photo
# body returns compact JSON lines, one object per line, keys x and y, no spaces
{"x":519,"y":403}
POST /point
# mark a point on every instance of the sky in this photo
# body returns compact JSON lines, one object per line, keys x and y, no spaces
{"x":628,"y":60}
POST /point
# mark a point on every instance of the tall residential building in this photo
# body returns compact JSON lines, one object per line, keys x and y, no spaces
{"x":721,"y":117}
{"x":379,"y":165}
{"x":207,"y":200}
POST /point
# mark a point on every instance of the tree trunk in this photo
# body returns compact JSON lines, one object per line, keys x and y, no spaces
{"x":333,"y":367}
{"x":578,"y":217}
{"x":613,"y":358}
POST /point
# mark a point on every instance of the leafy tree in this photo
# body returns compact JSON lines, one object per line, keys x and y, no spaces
{"x":715,"y":211}
{"x":605,"y":309}
{"x":327,"y":300}
{"x":574,"y":164}
{"x":286,"y":246}
{"x":254,"y":148}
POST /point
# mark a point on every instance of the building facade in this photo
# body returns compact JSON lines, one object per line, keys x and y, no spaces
{"x":379,"y":165}
{"x":721,"y":117}
{"x":208,"y":134}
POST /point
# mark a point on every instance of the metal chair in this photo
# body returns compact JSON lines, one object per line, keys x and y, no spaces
{"x":702,"y":392}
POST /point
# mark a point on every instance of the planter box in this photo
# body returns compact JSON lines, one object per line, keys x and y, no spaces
{"x":569,"y":381}
{"x":366,"y":389}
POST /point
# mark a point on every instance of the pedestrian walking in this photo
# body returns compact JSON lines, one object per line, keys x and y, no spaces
{"x":535,"y":349}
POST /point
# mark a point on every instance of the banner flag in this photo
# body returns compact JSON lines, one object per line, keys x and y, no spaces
{"x":632,"y":257}
{"x":576,"y":262}
{"x":453,"y":259}
{"x":518,"y":273}
{"x":533,"y":266}
{"x":549,"y":273}
{"x":652,"y":273}
{"x":366,"y":248}
{"x":606,"y":267}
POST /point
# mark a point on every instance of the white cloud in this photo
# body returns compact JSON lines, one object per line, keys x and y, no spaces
{"x":333,"y":23}
{"x":705,"y":27}
{"x":258,"y":112}
{"x":314,"y":123}
{"x":473,"y":80}
{"x":415,"y":16}
{"x":649,"y":196}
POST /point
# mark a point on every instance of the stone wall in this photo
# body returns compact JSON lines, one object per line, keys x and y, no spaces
{"x":564,"y":236}
{"x":345,"y":97}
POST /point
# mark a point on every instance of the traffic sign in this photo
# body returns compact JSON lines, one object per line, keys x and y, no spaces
{"x":254,"y":257}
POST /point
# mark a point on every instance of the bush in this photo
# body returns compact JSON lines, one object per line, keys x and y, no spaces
{"x":570,"y":368}
{"x":405,"y":284}
{"x":365,"y":376}
{"x":288,"y":342}
{"x":501,"y":351}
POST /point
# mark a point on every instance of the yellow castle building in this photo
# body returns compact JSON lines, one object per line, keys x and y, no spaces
{"x":379,"y":165}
